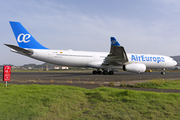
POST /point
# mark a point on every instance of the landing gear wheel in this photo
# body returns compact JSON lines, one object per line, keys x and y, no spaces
{"x":94,"y":72}
{"x":111,"y":72}
{"x":105,"y":72}
{"x":163,"y":73}
{"x":99,"y":72}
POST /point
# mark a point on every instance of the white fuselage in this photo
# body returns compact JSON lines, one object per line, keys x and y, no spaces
{"x":108,"y":62}
{"x":95,"y":59}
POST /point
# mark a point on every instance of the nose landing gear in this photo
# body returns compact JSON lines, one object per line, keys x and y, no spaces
{"x":163,"y":71}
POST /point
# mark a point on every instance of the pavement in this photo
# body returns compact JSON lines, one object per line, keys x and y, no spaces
{"x":89,"y":81}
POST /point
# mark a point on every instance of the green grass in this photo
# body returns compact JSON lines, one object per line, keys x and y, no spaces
{"x":160,"y":84}
{"x":38,"y":102}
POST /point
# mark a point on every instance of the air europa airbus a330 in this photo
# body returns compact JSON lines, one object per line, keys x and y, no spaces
{"x":105,"y":63}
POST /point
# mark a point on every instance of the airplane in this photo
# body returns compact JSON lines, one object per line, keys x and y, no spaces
{"x":105,"y":63}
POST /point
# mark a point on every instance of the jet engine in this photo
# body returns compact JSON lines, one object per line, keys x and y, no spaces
{"x":135,"y":67}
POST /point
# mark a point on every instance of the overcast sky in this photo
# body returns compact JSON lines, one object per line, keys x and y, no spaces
{"x":141,"y":26}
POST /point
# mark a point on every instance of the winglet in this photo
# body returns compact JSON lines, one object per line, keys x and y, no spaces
{"x":24,"y":38}
{"x":114,"y":42}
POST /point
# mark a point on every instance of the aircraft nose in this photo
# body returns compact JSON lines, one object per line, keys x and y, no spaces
{"x":174,"y":63}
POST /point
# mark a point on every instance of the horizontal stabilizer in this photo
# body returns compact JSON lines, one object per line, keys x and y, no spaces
{"x":21,"y":50}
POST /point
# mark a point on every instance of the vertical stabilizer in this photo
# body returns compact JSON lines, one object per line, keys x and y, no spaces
{"x":114,"y":42}
{"x":24,"y":38}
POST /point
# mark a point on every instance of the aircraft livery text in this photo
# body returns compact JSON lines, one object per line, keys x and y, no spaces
{"x":147,"y":58}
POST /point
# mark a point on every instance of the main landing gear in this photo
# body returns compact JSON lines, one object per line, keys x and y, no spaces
{"x":97,"y":72}
{"x":105,"y":72}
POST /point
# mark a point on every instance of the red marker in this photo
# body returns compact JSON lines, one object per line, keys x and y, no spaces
{"x":6,"y":73}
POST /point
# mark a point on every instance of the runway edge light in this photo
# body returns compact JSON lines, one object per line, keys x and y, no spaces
{"x":6,"y":73}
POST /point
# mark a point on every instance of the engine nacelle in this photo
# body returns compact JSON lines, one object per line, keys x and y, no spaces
{"x":135,"y":67}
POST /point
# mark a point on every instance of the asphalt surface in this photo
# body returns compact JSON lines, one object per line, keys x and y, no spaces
{"x":74,"y":76}
{"x":88,"y":80}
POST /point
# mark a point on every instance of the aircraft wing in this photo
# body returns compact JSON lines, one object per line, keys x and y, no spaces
{"x":20,"y":50}
{"x":117,"y":55}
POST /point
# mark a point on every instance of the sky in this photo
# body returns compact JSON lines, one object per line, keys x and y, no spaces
{"x":140,"y":26}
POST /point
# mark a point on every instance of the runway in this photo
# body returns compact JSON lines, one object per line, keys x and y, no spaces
{"x":85,"y":79}
{"x":88,"y":76}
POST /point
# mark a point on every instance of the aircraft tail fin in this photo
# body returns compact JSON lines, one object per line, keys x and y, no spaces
{"x":24,"y":38}
{"x":114,"y":42}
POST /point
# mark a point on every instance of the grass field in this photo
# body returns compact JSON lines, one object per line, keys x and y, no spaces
{"x":160,"y":84}
{"x":64,"y":103}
